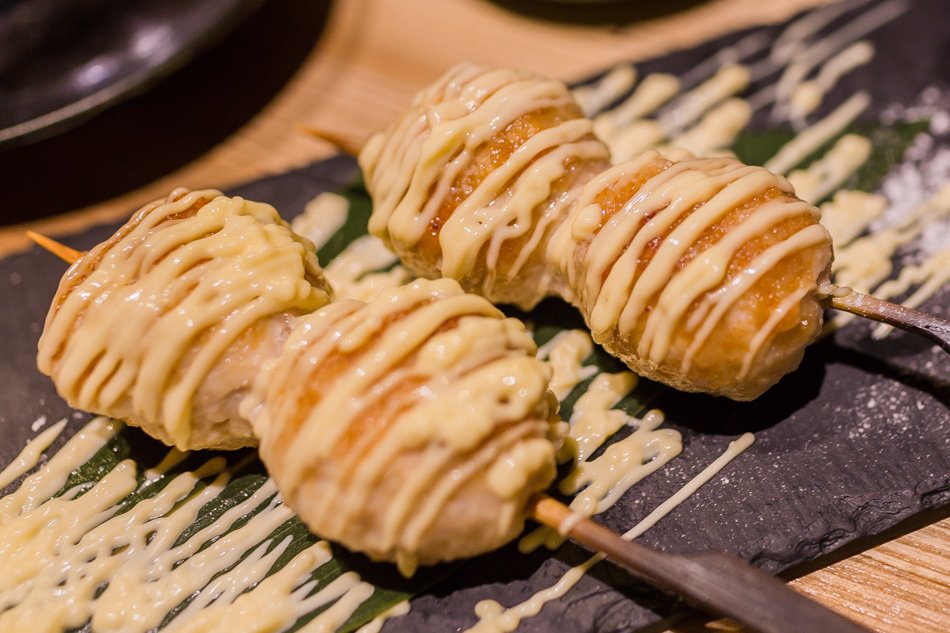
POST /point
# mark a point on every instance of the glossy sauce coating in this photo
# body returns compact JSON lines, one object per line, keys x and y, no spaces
{"x":699,"y":272}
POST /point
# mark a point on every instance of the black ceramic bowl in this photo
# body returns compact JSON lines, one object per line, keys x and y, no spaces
{"x":62,"y":60}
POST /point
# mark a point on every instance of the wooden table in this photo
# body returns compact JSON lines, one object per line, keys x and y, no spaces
{"x":370,"y":57}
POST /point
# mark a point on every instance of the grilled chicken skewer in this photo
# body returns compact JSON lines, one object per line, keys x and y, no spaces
{"x":418,"y":428}
{"x":703,"y":273}
{"x":165,"y":323}
{"x":414,"y":428}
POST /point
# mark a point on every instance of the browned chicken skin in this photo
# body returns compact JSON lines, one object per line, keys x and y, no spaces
{"x":130,"y":324}
{"x":698,"y":272}
{"x":437,"y":452}
{"x":413,"y":428}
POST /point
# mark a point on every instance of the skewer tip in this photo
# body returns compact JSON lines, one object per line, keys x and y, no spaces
{"x":344,"y":143}
{"x":935,"y":328}
{"x":65,"y":253}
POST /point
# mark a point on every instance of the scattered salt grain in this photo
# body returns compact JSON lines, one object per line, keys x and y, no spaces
{"x":39,"y":423}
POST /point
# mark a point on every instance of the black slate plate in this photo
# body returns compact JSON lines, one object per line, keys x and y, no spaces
{"x":853,"y":442}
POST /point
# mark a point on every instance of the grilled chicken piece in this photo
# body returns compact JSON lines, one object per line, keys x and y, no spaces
{"x":164,"y":324}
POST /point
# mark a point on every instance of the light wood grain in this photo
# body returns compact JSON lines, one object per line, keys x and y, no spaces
{"x":897,"y":587}
{"x":376,"y":53}
{"x":903,"y":585}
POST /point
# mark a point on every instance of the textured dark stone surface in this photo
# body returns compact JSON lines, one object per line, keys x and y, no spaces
{"x":849,"y":445}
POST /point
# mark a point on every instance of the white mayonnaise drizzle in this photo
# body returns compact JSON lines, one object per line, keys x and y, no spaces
{"x":599,"y":483}
{"x":929,"y":276}
{"x":566,"y":353}
{"x":376,"y":624}
{"x":849,"y":213}
{"x":829,"y":172}
{"x":493,"y":618}
{"x":819,"y":133}
{"x":597,"y":95}
{"x":123,"y":568}
{"x":802,"y":58}
{"x":321,"y":218}
{"x":655,"y":90}
{"x":30,"y":455}
{"x":728,"y":80}
{"x":807,"y":96}
{"x":648,"y":444}
{"x":796,"y":37}
{"x":634,"y":138}
{"x":716,"y":130}
{"x":867,"y":261}
{"x":364,"y":269}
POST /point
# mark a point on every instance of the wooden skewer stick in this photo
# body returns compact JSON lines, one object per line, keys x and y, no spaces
{"x":717,"y":582}
{"x":908,"y":319}
{"x":344,"y":143}
{"x":65,"y":253}
{"x":721,"y":584}
{"x":926,"y":325}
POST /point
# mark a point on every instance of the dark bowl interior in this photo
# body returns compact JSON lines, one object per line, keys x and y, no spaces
{"x":62,"y":60}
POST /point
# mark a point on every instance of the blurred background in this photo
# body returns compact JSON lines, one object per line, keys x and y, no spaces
{"x":147,"y":85}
